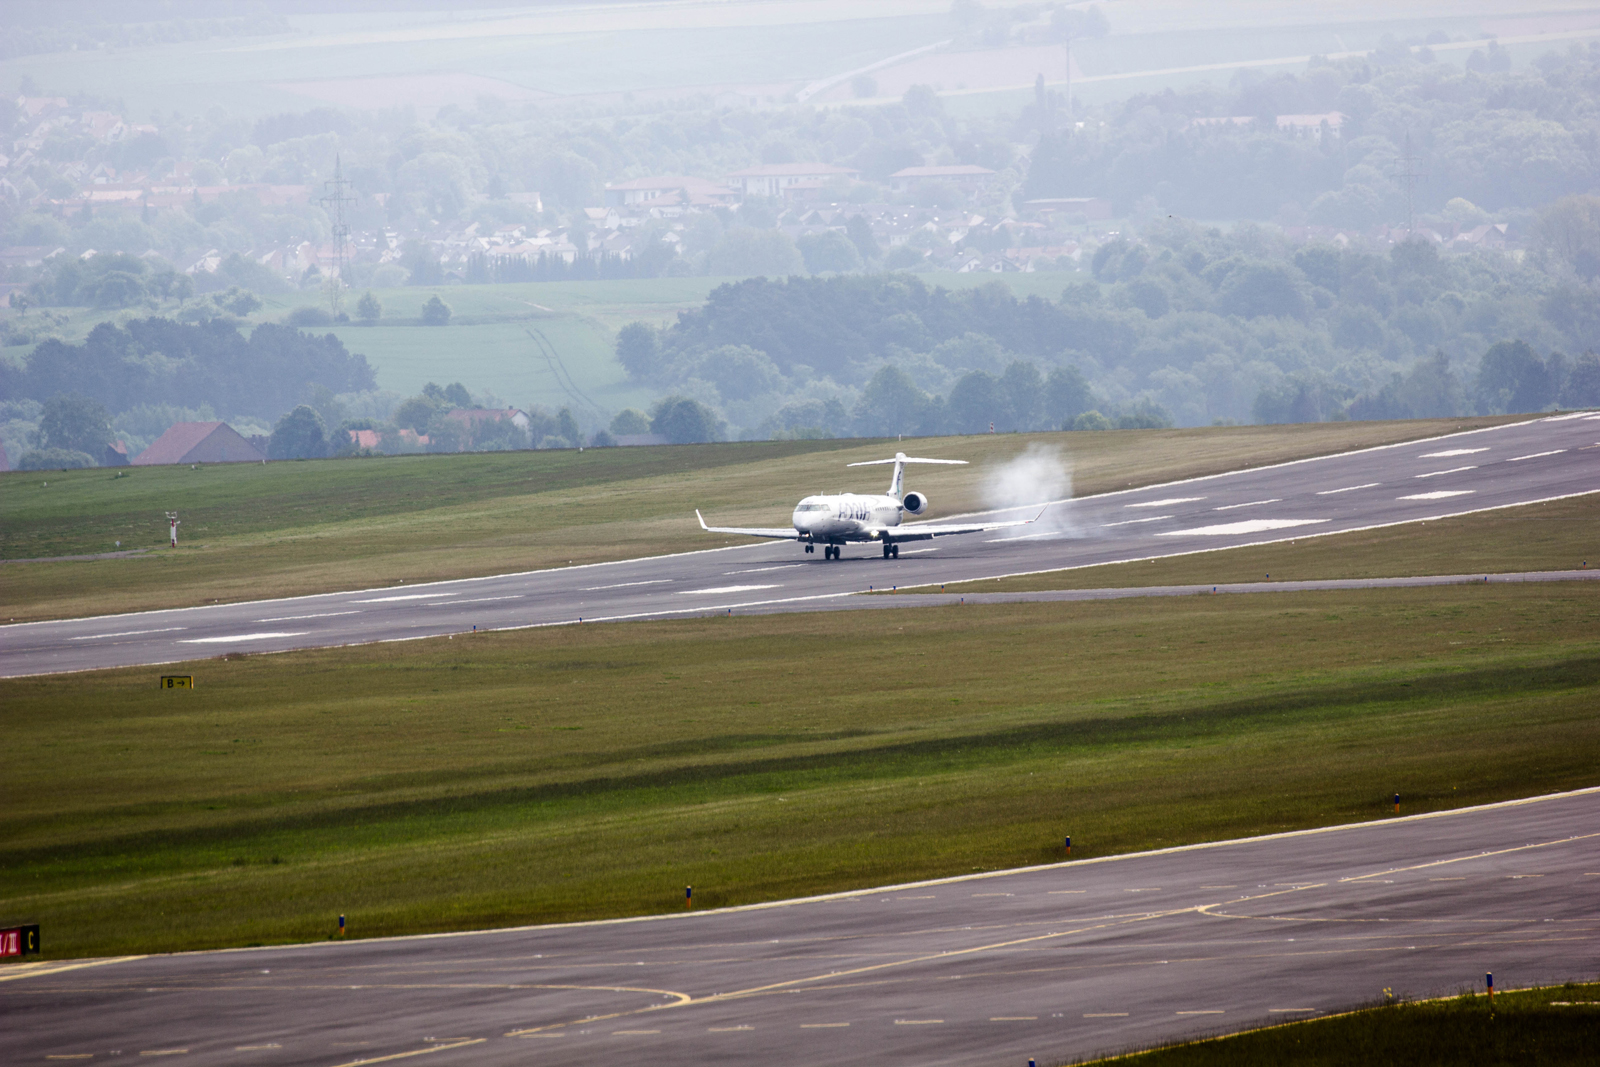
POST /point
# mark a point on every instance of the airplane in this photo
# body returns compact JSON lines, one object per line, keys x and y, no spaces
{"x":836,"y":520}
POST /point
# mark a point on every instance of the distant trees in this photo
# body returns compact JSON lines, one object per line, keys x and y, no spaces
{"x":369,"y":308}
{"x":639,"y":350}
{"x":298,"y":435}
{"x":744,"y":252}
{"x":74,"y":423}
{"x":435,"y":312}
{"x":1512,"y":377}
{"x":158,"y":361}
{"x":682,"y":421}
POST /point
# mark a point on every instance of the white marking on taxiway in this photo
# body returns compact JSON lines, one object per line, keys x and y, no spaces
{"x":128,"y":633}
{"x":319,"y":615}
{"x":1437,"y":495}
{"x":1452,"y":470}
{"x":1536,"y":455}
{"x":625,"y":585}
{"x":758,"y":570}
{"x":392,"y":599}
{"x":1249,"y":527}
{"x":727,"y":589}
{"x":1451,"y":452}
{"x":236,"y":637}
{"x":1349,"y":489}
{"x":1164,"y":503}
{"x":1130,"y":522}
{"x":1251,"y":504}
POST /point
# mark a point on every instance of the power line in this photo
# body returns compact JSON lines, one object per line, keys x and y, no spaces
{"x":1409,"y":174}
{"x":335,"y":201}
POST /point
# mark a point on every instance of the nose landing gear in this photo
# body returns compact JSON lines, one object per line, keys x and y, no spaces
{"x":810,"y":549}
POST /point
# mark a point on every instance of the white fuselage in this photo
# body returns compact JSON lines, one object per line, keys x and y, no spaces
{"x":847,"y":516}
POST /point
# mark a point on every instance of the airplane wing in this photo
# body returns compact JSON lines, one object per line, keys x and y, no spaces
{"x":777,"y":533}
{"x":921,"y":531}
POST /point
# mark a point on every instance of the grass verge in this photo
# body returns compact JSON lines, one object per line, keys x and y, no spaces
{"x":1560,"y":535}
{"x":287,"y":529}
{"x":1553,"y":1027}
{"x":586,"y":772}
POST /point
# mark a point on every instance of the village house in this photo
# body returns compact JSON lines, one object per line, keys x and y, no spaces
{"x":964,"y":176}
{"x":784,"y":179}
{"x":199,"y":442}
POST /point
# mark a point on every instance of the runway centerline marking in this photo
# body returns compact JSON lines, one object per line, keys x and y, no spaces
{"x":1249,"y":526}
{"x":1013,"y":1018}
{"x":396,"y":599}
{"x":1249,"y":504}
{"x":128,"y":633}
{"x":917,"y":1022}
{"x":625,"y":585}
{"x":319,"y":615}
{"x":413,"y":1052}
{"x":1165,"y":503}
{"x":1452,"y":470}
{"x":1349,"y":489}
{"x":1208,"y":1011}
{"x":1106,"y":1015}
{"x":1536,"y":455}
{"x":949,"y":954}
{"x":1439,"y":494}
{"x":1283,"y":1011}
{"x":238,"y":637}
{"x":1130,"y":522}
{"x":823,"y":1026}
{"x":719,"y":590}
{"x":474,"y":600}
{"x":1451,"y":452}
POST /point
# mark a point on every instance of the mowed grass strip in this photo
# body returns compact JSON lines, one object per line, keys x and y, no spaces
{"x":1559,"y":535}
{"x":587,"y":772}
{"x":1552,"y":1026}
{"x":286,"y":529}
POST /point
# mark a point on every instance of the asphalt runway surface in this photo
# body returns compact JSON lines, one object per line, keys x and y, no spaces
{"x":1048,"y":963}
{"x":1542,"y":459}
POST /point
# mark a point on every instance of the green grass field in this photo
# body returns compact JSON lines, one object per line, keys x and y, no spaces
{"x":593,"y":771}
{"x":1556,"y":1026}
{"x":317,"y":526}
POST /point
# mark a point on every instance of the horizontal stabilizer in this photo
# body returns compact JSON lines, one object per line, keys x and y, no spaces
{"x":906,"y":459}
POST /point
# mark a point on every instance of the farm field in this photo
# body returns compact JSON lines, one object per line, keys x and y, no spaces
{"x":281,"y":529}
{"x":584,"y":772}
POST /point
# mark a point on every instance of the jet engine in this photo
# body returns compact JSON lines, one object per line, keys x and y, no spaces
{"x":915,"y":503}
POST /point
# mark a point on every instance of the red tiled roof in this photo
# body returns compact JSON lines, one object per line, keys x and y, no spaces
{"x":177,"y":442}
{"x":183,"y":440}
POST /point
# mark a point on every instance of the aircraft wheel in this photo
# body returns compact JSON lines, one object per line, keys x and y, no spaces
{"x":896,"y":552}
{"x":888,"y":550}
{"x":810,"y":549}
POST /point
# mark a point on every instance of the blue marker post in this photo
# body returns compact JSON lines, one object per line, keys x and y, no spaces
{"x":341,"y":926}
{"x":1488,"y":980}
{"x":1069,"y":846}
{"x":688,"y":896}
{"x":1397,"y":803}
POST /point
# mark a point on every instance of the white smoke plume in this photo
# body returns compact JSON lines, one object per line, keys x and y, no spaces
{"x":1041,"y":475}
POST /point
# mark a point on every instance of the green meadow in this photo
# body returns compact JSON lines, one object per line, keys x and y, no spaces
{"x":585,"y":772}
{"x":1555,"y":1026}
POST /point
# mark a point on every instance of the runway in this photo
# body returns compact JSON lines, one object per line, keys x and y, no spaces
{"x":1542,"y":459}
{"x":1049,"y":963}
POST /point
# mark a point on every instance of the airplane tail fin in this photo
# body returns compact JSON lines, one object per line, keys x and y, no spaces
{"x":897,"y":483}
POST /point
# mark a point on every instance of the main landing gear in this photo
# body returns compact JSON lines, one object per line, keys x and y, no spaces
{"x":891,"y":551}
{"x":830,"y":551}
